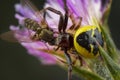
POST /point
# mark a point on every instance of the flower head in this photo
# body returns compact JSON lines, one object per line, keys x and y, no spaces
{"x":79,"y":8}
{"x":24,"y":35}
{"x":89,"y":10}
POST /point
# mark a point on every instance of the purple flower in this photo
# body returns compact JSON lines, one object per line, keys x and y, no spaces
{"x":23,"y":36}
{"x":87,"y":9}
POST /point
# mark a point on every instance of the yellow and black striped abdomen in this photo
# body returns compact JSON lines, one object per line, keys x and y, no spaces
{"x":31,"y":24}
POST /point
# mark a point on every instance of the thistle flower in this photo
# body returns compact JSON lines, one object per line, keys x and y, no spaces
{"x":93,"y":12}
{"x":23,"y":35}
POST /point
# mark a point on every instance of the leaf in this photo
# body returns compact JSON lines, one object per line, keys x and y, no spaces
{"x":113,"y":67}
{"x":98,"y":66}
{"x":106,"y":13}
{"x":111,"y":48}
{"x":86,"y":74}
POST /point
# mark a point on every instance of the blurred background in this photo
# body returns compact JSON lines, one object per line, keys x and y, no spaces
{"x":17,"y":64}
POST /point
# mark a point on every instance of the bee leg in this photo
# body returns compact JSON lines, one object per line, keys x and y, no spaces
{"x":35,"y":37}
{"x":56,"y":48}
{"x":68,"y":58}
{"x":29,"y":33}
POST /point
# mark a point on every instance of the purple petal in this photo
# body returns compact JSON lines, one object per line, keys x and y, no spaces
{"x":104,"y":4}
{"x":33,"y":47}
{"x":26,"y":12}
{"x":44,"y":57}
{"x":79,"y":8}
{"x":82,"y":8}
{"x":20,"y":18}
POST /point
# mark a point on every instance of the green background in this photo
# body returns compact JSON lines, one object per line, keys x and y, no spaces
{"x":17,"y":64}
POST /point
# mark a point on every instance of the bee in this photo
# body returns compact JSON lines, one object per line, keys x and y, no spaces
{"x":41,"y":30}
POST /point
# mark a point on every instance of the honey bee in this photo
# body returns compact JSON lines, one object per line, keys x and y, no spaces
{"x":41,"y":33}
{"x":41,"y":29}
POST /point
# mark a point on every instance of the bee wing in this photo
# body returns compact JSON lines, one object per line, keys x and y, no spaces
{"x":15,"y":36}
{"x":8,"y":36}
{"x":29,"y":5}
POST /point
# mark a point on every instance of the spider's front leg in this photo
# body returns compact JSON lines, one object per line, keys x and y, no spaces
{"x":75,"y":23}
{"x":61,"y":20}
